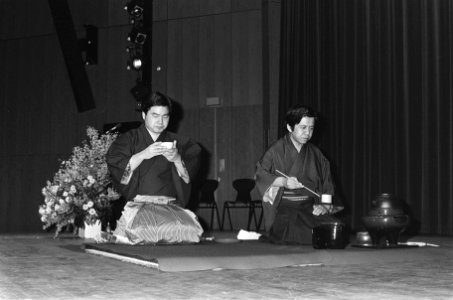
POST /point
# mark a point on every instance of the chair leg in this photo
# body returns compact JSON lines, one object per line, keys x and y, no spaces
{"x":212,"y":218}
{"x":229,"y":218}
{"x":251,"y":213}
{"x":254,"y":217}
{"x":226,"y":208}
{"x":218,"y":219}
{"x":223,"y":216}
{"x":260,"y":219}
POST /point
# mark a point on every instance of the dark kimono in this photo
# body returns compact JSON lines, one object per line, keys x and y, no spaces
{"x":292,"y":221}
{"x":151,"y":222}
{"x":155,"y":176}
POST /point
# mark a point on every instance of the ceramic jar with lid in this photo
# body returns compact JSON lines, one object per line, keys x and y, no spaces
{"x":385,"y":220}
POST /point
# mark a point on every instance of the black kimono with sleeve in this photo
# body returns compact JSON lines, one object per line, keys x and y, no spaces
{"x":156,"y":176}
{"x":309,"y":166}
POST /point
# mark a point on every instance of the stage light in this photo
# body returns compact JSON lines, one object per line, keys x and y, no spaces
{"x":135,"y":8}
{"x":89,"y":45}
{"x":135,"y":63}
{"x":137,"y":36}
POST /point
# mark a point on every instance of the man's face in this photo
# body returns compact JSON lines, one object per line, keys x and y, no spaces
{"x":156,"y":119}
{"x":302,"y":132}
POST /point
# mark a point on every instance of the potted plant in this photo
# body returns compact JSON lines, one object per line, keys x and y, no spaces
{"x":81,"y":192}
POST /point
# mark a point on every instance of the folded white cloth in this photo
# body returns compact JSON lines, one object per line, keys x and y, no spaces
{"x":90,"y":231}
{"x":248,"y":235}
{"x":270,"y":194}
{"x":154,"y":199}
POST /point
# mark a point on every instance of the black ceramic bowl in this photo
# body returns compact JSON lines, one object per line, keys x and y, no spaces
{"x":330,"y":236}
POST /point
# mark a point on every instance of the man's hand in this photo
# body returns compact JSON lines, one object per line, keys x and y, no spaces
{"x":172,"y":154}
{"x":321,"y":209}
{"x":152,"y":150}
{"x":292,"y":183}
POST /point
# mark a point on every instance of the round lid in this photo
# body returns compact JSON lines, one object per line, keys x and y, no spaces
{"x":385,"y":201}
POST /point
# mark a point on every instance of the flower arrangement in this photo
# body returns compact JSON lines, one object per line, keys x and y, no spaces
{"x":81,"y":189}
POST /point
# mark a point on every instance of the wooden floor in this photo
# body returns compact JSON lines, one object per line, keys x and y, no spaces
{"x":40,"y":267}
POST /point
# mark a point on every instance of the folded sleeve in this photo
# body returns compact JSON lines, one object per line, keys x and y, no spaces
{"x":265,"y":175}
{"x":118,"y":156}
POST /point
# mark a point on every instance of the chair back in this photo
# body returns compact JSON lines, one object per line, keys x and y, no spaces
{"x":207,"y":191}
{"x":243,"y":187}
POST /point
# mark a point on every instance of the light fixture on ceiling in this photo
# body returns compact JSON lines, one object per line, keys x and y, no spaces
{"x":135,"y":8}
{"x":135,"y":63}
{"x":137,"y":36}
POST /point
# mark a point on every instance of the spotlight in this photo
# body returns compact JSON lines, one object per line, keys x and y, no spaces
{"x":89,"y":45}
{"x":137,"y":36}
{"x":136,"y":63}
{"x":135,"y":8}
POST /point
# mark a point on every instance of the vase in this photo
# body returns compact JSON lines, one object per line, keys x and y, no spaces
{"x":388,"y":227}
{"x":385,"y":220}
{"x":90,"y":231}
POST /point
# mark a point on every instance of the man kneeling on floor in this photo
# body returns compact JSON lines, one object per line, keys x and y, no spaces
{"x":294,"y":180}
{"x":152,"y":169}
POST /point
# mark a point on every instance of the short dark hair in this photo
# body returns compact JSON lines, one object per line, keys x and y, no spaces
{"x":156,"y":99}
{"x":295,"y":114}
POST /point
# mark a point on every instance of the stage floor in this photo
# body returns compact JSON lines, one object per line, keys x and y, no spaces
{"x":40,"y":267}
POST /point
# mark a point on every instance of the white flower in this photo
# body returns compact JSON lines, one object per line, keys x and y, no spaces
{"x":43,"y":218}
{"x":48,"y":210}
{"x":90,"y":203}
{"x":72,"y":189}
{"x":91,"y":180}
{"x":68,"y":199}
{"x":57,"y":207}
{"x":85,"y":207}
{"x":61,"y":201}
{"x":92,"y":211}
{"x":54,"y":189}
{"x":112,"y":194}
{"x":42,"y":210}
{"x":65,"y":194}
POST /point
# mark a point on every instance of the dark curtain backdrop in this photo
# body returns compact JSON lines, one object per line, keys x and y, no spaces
{"x":380,"y":74}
